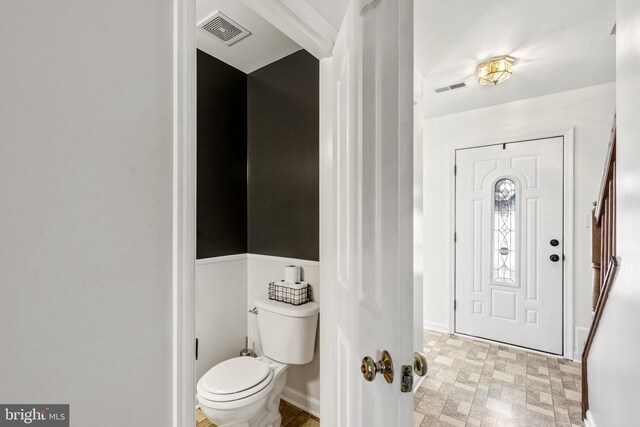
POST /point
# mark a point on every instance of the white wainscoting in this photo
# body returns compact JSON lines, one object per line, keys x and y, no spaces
{"x":226,"y":288}
{"x":221,"y":321}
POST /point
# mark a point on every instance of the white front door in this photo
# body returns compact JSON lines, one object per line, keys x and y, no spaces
{"x":367,"y":215}
{"x":509,"y":248}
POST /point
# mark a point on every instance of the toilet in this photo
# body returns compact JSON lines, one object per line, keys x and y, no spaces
{"x":246,"y":391}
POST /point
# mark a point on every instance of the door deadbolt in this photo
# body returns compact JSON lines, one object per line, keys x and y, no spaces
{"x":554,"y":242}
{"x":371,"y":368}
{"x":554,"y":258}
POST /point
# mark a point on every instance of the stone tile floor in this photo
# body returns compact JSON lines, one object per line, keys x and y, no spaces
{"x":474,"y":383}
{"x":291,"y":417}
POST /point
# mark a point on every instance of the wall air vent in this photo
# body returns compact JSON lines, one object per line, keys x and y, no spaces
{"x":451,"y":87}
{"x":224,"y":28}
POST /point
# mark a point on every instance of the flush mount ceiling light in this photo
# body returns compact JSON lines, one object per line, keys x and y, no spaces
{"x":495,"y":70}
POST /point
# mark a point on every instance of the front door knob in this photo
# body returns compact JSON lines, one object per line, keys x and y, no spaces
{"x":370,"y":367}
{"x":554,"y":258}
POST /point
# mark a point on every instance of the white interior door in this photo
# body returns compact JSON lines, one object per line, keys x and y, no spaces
{"x":509,"y":248}
{"x":367,"y":214}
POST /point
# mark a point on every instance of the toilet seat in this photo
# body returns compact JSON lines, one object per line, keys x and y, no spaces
{"x":235,"y":379}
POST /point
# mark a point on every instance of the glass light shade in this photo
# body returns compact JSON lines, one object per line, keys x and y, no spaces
{"x":495,"y":70}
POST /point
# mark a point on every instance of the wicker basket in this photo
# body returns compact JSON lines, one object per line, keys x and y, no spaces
{"x":279,"y":291}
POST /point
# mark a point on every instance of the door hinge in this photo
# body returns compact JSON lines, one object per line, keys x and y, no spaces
{"x":196,"y":348}
{"x":455,"y":304}
{"x":455,"y":169}
{"x":455,"y":237}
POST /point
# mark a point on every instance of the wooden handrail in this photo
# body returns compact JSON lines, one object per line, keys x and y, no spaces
{"x":603,"y":247}
{"x":612,"y":272}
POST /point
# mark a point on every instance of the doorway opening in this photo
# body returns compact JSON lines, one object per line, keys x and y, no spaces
{"x":257,"y":221}
{"x":484,"y":274}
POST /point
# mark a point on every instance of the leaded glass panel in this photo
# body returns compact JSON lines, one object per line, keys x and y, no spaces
{"x":504,"y":231}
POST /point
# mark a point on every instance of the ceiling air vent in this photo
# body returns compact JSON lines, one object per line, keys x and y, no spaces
{"x":452,"y":87}
{"x":224,"y":28}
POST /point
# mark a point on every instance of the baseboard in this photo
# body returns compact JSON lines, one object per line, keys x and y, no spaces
{"x":589,"y":421}
{"x":438,"y":327}
{"x":301,"y":401}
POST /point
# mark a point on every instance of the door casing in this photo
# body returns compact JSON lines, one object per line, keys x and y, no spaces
{"x":568,"y":155}
{"x":183,"y":369}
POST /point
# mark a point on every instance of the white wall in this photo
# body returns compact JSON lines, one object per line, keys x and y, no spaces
{"x":86,"y":208}
{"x":303,"y":381}
{"x":613,"y":361}
{"x":589,"y":110}
{"x":221,"y":315}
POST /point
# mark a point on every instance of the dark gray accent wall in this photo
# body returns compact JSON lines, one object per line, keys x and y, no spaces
{"x":222,"y":158}
{"x":283,"y":158}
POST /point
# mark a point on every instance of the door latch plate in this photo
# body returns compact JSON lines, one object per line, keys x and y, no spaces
{"x":406,"y":385}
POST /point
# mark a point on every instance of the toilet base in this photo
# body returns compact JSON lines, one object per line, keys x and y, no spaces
{"x":263,"y":413}
{"x":270,"y":415}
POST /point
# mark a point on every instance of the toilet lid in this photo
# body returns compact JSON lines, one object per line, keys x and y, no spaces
{"x":235,"y":375}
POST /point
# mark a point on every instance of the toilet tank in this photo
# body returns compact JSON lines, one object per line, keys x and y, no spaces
{"x":287,"y":332}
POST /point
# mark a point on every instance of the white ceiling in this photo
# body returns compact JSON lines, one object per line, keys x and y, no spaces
{"x":265,"y":45}
{"x":558,"y":44}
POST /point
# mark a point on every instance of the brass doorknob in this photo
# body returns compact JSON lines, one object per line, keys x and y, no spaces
{"x":370,"y":368}
{"x":420,"y":366}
